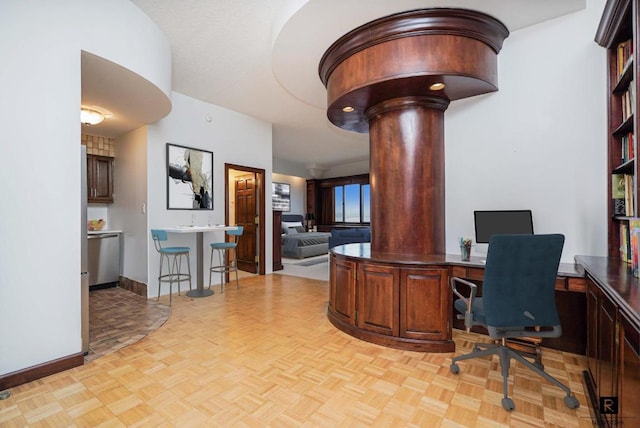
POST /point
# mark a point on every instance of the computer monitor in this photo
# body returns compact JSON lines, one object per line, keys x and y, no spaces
{"x":504,"y":222}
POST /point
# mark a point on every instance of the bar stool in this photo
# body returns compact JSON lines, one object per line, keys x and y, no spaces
{"x":224,"y":250}
{"x":174,"y":257}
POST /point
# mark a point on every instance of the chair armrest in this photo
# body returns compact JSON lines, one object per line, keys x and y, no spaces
{"x":468,"y":300}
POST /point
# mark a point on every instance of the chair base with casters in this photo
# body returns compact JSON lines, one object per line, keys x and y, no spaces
{"x":505,"y":355}
{"x":227,"y":257}
{"x":174,"y":257}
{"x":518,"y":302}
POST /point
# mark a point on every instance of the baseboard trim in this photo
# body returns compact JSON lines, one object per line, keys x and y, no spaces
{"x":39,"y":371}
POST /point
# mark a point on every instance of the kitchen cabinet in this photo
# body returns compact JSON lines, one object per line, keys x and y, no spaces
{"x":99,"y":179}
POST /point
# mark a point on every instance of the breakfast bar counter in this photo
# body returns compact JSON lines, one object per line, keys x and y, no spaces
{"x":199,"y":231}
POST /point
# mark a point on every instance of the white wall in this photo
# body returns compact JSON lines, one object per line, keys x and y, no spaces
{"x":129,"y":209}
{"x":233,"y":138}
{"x":40,"y":44}
{"x":538,"y":143}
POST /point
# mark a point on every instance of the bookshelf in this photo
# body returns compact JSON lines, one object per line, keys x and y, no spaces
{"x":618,"y":33}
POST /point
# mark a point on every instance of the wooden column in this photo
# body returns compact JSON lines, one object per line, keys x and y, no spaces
{"x":380,"y":79}
{"x":406,"y":139}
{"x":394,"y":78}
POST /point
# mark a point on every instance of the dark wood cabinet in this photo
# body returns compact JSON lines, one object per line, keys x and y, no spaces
{"x":277,"y":241}
{"x":392,"y":304}
{"x":630,"y":372}
{"x":99,"y":179}
{"x":613,"y":341}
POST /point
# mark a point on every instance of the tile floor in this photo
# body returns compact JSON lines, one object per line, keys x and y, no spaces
{"x":118,"y":318}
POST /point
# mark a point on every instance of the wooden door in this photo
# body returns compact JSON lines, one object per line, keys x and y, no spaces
{"x":246,"y":214}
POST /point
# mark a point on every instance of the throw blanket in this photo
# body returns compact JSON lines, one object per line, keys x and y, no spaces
{"x":293,"y":240}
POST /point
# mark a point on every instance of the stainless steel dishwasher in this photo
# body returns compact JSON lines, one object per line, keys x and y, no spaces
{"x":104,"y":258}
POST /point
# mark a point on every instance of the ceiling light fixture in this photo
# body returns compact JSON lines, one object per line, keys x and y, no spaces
{"x":90,"y":117}
{"x":438,"y":86}
{"x":347,"y":109}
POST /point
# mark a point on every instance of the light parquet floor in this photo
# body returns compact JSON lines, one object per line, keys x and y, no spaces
{"x":266,"y":355}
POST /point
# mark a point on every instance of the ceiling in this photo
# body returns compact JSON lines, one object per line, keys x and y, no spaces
{"x":261,"y":58}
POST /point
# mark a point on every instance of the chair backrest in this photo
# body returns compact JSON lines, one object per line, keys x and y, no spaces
{"x":519,"y":281}
{"x":236,"y":232}
{"x":158,"y":236}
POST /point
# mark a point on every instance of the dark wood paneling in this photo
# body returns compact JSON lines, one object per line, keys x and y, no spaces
{"x":277,"y":240}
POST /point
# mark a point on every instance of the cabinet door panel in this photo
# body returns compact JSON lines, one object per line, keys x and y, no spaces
{"x":378,"y":299}
{"x":420,"y":288}
{"x":630,"y":375}
{"x":607,"y":351}
{"x":592,"y":330}
{"x":103,"y":180}
{"x":342,"y":302}
{"x":99,"y":178}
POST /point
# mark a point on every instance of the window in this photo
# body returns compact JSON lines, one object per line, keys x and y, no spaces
{"x":352,"y":203}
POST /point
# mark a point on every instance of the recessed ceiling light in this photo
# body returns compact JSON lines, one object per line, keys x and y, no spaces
{"x":438,"y":86}
{"x":347,"y":109}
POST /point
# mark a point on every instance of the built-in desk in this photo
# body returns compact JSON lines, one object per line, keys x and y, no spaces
{"x":406,"y":302}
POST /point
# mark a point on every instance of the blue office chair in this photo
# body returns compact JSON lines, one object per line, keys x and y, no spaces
{"x":173,"y":256}
{"x":227,"y":257}
{"x":518,"y":300}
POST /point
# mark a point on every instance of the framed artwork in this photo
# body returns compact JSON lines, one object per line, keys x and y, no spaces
{"x":189,"y":178}
{"x":281,"y":196}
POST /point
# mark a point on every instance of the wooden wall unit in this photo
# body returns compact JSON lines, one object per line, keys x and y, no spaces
{"x":320,"y":199}
{"x":618,"y":33}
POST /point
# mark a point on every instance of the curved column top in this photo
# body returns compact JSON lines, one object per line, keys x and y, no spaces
{"x":420,"y":22}
{"x":404,"y":54}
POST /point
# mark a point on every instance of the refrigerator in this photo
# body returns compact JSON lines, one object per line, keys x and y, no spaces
{"x":84,"y":255}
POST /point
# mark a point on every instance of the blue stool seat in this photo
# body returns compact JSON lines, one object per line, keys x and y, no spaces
{"x":173,"y":256}
{"x":174,"y":250}
{"x":227,"y":262}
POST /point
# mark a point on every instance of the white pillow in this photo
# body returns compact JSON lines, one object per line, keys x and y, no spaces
{"x":287,"y":224}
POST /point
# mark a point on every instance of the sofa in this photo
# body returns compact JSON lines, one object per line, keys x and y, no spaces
{"x":349,"y":236}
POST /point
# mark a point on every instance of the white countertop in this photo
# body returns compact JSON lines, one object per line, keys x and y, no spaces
{"x":188,"y":229}
{"x":103,"y":231}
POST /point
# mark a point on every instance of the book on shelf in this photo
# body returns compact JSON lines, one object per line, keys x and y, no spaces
{"x":634,"y":235}
{"x":618,"y":194}
{"x":625,"y":249}
{"x":628,"y":151}
{"x":628,"y":195}
{"x":624,"y":54}
{"x":628,"y":102}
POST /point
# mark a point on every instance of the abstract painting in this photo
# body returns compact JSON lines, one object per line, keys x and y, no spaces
{"x":189,"y":178}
